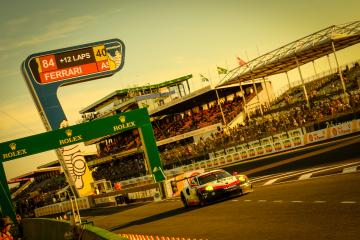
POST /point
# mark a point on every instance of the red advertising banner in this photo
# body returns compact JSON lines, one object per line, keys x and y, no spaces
{"x":66,"y":73}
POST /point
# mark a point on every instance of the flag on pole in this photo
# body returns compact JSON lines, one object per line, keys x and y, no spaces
{"x":222,"y":70}
{"x":240,"y":61}
{"x":203,"y":78}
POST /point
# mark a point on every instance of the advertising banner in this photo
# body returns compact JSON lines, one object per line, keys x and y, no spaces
{"x":219,"y":153}
{"x":229,"y":158}
{"x":236,"y":156}
{"x":241,"y":147}
{"x":265,"y":141}
{"x":216,"y":162}
{"x":251,"y":152}
{"x":280,"y":137}
{"x":339,"y":130}
{"x":297,"y":141}
{"x":269,"y":148}
{"x":191,"y":167}
{"x":355,"y":125}
{"x":254,"y":144}
{"x":287,"y":143}
{"x":278,"y":146}
{"x":259,"y":150}
{"x":197,"y":165}
{"x":222,"y":160}
{"x":315,"y":136}
{"x":244,"y":154}
{"x":295,"y":133}
{"x":230,"y":150}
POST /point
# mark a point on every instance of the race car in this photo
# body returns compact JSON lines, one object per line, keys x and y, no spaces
{"x":212,"y":186}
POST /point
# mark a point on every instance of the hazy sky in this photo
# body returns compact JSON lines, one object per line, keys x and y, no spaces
{"x":163,"y":39}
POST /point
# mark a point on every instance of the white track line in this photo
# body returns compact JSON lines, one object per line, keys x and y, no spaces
{"x":350,"y":169}
{"x":305,"y":176}
{"x":271,"y":181}
{"x":348,"y":202}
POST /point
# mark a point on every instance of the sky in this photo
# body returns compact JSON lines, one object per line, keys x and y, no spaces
{"x":164,"y":40}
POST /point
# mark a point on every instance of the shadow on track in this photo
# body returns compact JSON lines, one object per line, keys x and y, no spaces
{"x":153,"y":218}
{"x":93,"y":212}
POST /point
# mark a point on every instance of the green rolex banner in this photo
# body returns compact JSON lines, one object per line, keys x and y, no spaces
{"x":222,"y":70}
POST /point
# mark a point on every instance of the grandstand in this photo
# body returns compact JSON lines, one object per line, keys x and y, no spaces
{"x":37,"y":188}
{"x":182,"y":119}
{"x":191,"y":128}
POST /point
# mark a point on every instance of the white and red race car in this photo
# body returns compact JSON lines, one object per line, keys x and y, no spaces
{"x":212,"y":186}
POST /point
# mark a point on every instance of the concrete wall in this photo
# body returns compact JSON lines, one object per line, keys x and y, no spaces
{"x":44,"y":229}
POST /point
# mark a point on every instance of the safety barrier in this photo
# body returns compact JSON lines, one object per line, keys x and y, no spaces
{"x":83,"y":203}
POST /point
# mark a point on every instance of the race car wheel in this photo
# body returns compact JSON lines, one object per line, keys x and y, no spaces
{"x":201,"y":201}
{"x":183,"y":199}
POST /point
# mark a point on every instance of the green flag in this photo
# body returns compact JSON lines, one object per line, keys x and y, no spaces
{"x":203,"y":78}
{"x":222,"y":70}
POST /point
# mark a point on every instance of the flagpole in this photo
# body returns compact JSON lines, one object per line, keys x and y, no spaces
{"x":241,"y":63}
{"x":219,"y":103}
{"x":203,"y":81}
{"x":253,"y":82}
{"x":256,"y":92}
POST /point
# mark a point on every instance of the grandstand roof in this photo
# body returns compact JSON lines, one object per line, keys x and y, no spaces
{"x":38,"y":171}
{"x":16,"y":180}
{"x":306,"y":49}
{"x":196,"y":98}
{"x":125,"y":92}
{"x":54,"y":163}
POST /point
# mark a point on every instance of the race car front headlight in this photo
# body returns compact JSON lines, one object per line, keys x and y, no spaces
{"x":209,"y":188}
{"x":242,"y":179}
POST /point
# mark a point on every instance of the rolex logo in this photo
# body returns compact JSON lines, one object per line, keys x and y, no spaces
{"x":12,"y":146}
{"x":122,"y":119}
{"x":68,"y":132}
{"x":14,"y":153}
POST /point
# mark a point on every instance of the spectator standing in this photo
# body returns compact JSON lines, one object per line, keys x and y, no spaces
{"x":20,"y":228}
{"x":5,"y":225}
